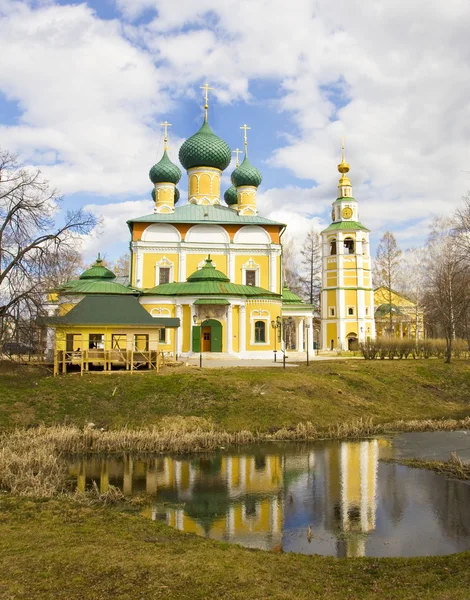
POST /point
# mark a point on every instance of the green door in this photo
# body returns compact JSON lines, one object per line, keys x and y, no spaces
{"x":216,"y":334}
{"x":196,"y":338}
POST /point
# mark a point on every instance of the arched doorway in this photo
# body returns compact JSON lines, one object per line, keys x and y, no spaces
{"x":352,"y":341}
{"x":209,"y":335}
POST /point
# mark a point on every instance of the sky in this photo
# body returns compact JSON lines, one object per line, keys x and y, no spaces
{"x":84,"y":87}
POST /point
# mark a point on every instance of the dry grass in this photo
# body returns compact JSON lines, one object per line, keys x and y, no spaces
{"x":32,"y":464}
{"x":454,"y":467}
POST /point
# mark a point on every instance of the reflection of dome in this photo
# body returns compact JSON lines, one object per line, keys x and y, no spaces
{"x":246,"y":174}
{"x":205,"y":149}
{"x":209,"y":503}
{"x":230,"y":196}
{"x":165,"y":171}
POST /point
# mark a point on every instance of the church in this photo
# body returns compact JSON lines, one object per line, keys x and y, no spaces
{"x":205,"y":277}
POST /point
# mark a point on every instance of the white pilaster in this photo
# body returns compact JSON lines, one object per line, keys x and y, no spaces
{"x":182,"y":266}
{"x":229,"y":329}
{"x":272,"y":273}
{"x":193,"y":312}
{"x":311,"y":336}
{"x":231,"y":267}
{"x":242,"y":328}
{"x":139,"y":269}
{"x":179,"y":330}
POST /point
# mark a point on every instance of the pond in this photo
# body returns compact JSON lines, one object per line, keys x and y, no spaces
{"x":329,"y":498}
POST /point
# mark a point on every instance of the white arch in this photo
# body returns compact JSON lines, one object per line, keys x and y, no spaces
{"x":207,"y":233}
{"x":252,"y":234}
{"x":161,"y":232}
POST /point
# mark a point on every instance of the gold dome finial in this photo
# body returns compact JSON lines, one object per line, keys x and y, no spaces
{"x":165,"y":126}
{"x":236,"y":152}
{"x":343,"y":166}
{"x":206,"y":97}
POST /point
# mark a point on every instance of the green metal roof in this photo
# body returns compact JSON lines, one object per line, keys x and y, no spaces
{"x":111,"y":310}
{"x":208,"y":281}
{"x":293,"y":302}
{"x":385,"y":309}
{"x":165,"y":171}
{"x":205,"y":149}
{"x":246,"y":174}
{"x":196,"y":213}
{"x":97,"y":271}
{"x":218,"y":301}
{"x":96,"y":286}
{"x":346,"y":225}
{"x":208,"y":273}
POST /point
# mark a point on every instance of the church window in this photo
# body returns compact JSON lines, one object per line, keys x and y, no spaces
{"x":333,"y":247}
{"x":349,"y":246}
{"x":162,"y":336}
{"x":163,"y":275}
{"x":96,"y":341}
{"x":351,"y":311}
{"x":367,"y":311}
{"x":260,"y":331}
{"x":250,"y":277}
{"x":332,"y":311}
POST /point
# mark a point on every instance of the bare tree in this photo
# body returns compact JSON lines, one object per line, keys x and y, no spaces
{"x":290,"y":267}
{"x":122,"y":265}
{"x":387,"y":267}
{"x":411,"y":280}
{"x":448,"y":283}
{"x":32,"y":243}
{"x":311,"y":262}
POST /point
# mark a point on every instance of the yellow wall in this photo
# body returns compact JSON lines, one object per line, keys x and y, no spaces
{"x":273,"y":310}
{"x":331,"y":334}
{"x":186,"y":329}
{"x":236,"y":328}
{"x":149,"y":271}
{"x":83,"y":343}
{"x":263,"y":262}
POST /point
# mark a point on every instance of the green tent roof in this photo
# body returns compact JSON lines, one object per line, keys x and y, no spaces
{"x":346,"y":225}
{"x":111,"y":310}
{"x":97,"y":271}
{"x":208,"y":281}
{"x":196,"y":213}
{"x":292,"y":301}
{"x":385,"y":309}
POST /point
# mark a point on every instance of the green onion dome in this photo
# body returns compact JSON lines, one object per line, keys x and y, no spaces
{"x":165,"y":171}
{"x":154,"y":195}
{"x":246,"y":174}
{"x":205,"y":149}
{"x":98,"y":271}
{"x":230,"y":196}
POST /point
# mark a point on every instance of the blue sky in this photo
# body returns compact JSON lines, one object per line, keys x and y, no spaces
{"x":85,"y":85}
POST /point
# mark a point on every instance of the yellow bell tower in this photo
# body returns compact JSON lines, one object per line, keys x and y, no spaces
{"x":347,"y":297}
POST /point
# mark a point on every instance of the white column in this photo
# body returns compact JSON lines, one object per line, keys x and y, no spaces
{"x":272,"y":272}
{"x":179,"y":331}
{"x":182,"y":266}
{"x":193,"y":312}
{"x":231,"y":267}
{"x":242,"y":328}
{"x":300,"y":335}
{"x":310,"y":335}
{"x":139,"y":269}
{"x":229,"y":329}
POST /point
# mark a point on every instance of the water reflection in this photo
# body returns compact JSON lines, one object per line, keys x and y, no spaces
{"x":331,"y":498}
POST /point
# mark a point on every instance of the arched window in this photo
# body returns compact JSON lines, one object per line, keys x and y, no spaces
{"x":260,"y":331}
{"x":333,"y":247}
{"x":349,"y":246}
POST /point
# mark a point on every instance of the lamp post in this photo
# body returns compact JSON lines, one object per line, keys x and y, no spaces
{"x":276,"y":326}
{"x":307,"y":327}
{"x":200,"y":340}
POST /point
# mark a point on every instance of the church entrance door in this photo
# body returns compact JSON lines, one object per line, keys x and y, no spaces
{"x":208,"y":336}
{"x":206,"y":339}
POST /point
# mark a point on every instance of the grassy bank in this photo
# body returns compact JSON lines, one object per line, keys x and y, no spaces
{"x":60,"y":550}
{"x":454,"y":467}
{"x":325,"y":394}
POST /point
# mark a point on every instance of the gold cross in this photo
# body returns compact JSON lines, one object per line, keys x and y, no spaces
{"x":165,"y":126}
{"x":236,"y":152}
{"x":342,"y":149}
{"x":245,"y":139}
{"x":206,"y":105}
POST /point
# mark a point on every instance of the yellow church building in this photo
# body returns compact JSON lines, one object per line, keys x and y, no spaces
{"x":205,"y":276}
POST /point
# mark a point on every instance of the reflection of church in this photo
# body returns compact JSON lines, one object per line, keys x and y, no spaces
{"x":243,"y":498}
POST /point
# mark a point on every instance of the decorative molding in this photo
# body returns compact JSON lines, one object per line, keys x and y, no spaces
{"x":250,"y":265}
{"x":164,"y":263}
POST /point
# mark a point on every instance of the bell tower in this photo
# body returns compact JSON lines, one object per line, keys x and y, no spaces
{"x":347,"y":296}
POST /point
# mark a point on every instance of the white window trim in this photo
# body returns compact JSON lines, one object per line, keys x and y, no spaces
{"x":250,"y":265}
{"x":165,"y":264}
{"x":260,"y":315}
{"x":331,"y":311}
{"x":353,"y":312}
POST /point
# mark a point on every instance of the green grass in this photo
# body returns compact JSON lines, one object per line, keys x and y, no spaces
{"x":57,"y":549}
{"x":326,"y":393}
